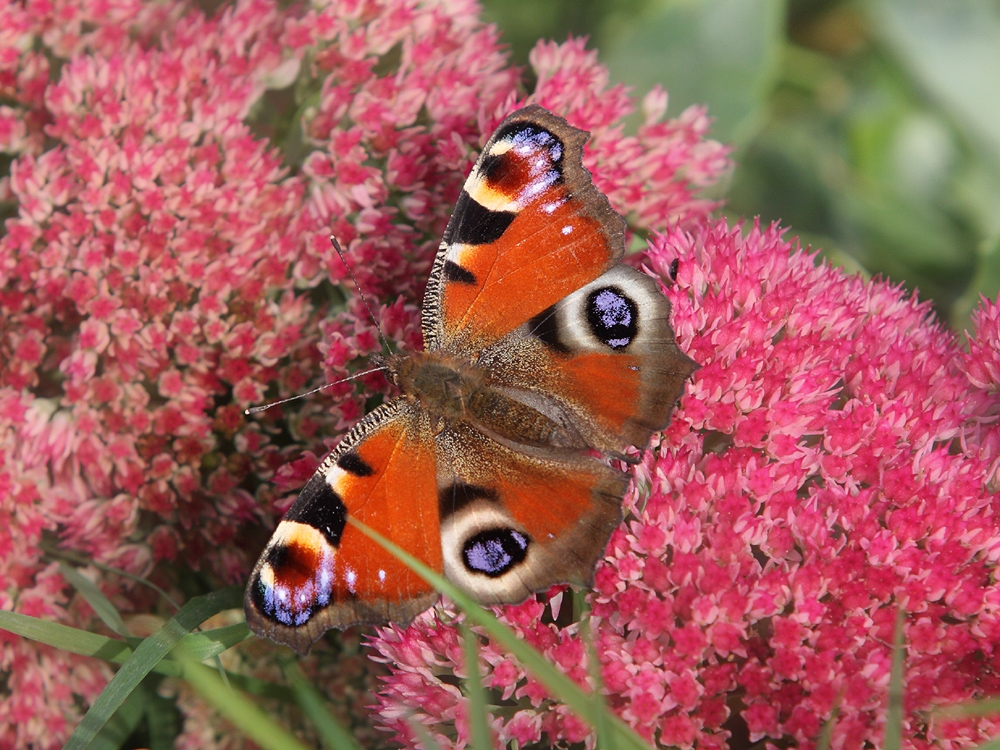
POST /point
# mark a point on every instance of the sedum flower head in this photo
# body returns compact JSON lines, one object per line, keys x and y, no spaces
{"x":833,"y":462}
{"x":173,"y":181}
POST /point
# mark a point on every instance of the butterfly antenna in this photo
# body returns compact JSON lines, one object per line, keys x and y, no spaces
{"x":336,"y":246}
{"x":264,"y":407}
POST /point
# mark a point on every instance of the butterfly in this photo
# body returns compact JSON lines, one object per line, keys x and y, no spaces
{"x":543,"y":354}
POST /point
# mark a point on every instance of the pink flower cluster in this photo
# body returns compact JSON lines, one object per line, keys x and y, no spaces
{"x":145,"y":299}
{"x":835,"y":460}
{"x":173,"y":182}
{"x":174,"y":179}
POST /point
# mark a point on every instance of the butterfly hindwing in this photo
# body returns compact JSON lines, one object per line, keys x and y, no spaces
{"x":529,"y":228}
{"x":602,"y":360}
{"x":515,"y":521}
{"x":318,"y":571}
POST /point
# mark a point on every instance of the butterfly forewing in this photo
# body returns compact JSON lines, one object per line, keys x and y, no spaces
{"x":319,"y":572}
{"x":529,"y":228}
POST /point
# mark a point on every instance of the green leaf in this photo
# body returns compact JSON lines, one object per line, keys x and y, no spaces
{"x":953,"y":50}
{"x":723,"y":53}
{"x":61,"y":554}
{"x":206,"y":644}
{"x":427,"y":740}
{"x":163,"y":720}
{"x":985,"y":282}
{"x":313,"y":705}
{"x":64,"y":637}
{"x":987,"y":707}
{"x":101,"y":605}
{"x":236,"y":707}
{"x":146,"y":657}
{"x":197,"y":646}
{"x":827,"y":736}
{"x":605,"y":738}
{"x":479,"y":728}
{"x":894,"y":717}
{"x":126,"y":720}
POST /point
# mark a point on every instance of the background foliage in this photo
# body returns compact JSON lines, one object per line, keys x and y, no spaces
{"x":871,"y":129}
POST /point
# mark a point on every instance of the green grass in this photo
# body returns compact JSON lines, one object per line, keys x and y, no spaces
{"x":176,"y":650}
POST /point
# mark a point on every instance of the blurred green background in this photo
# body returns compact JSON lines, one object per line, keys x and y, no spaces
{"x":870,"y":129}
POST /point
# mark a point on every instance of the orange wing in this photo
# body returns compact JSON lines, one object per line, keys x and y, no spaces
{"x":603,"y":360}
{"x":514,"y":521}
{"x":318,"y":572}
{"x":528,"y":229}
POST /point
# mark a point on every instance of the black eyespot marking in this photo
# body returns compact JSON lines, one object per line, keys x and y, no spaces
{"x":474,"y":224}
{"x":278,"y":556}
{"x":495,"y":551}
{"x":613,"y":317}
{"x":352,"y":463}
{"x":320,"y":507}
{"x":527,"y":135}
{"x":293,"y":598}
{"x":272,"y":606}
{"x":258,"y":592}
{"x":675,"y":264}
{"x":493,"y":166}
{"x":453,"y":498}
{"x":544,"y":327}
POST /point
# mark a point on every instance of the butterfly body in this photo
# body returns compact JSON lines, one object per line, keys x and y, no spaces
{"x":454,"y":389}
{"x":542,"y":353}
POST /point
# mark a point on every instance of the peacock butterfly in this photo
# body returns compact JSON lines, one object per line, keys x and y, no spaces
{"x":541,"y":352}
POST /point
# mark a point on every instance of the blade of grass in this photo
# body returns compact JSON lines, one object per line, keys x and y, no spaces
{"x":64,"y":637}
{"x":552,"y":679}
{"x":195,"y":646}
{"x":427,"y":740}
{"x":202,"y":645}
{"x":479,"y":727}
{"x":827,"y":736}
{"x":101,"y":605}
{"x":313,"y":705}
{"x":987,"y":707}
{"x":206,"y":644}
{"x":240,"y":710}
{"x":163,"y":721}
{"x":894,"y":717}
{"x":145,"y":658}
{"x":605,"y":738}
{"x":126,"y":720}
{"x":60,"y":554}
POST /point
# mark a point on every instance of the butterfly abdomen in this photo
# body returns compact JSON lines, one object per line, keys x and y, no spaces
{"x":506,"y":418}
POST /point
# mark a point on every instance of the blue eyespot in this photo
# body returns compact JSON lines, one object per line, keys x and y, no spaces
{"x":495,"y":551}
{"x":612,"y":316}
